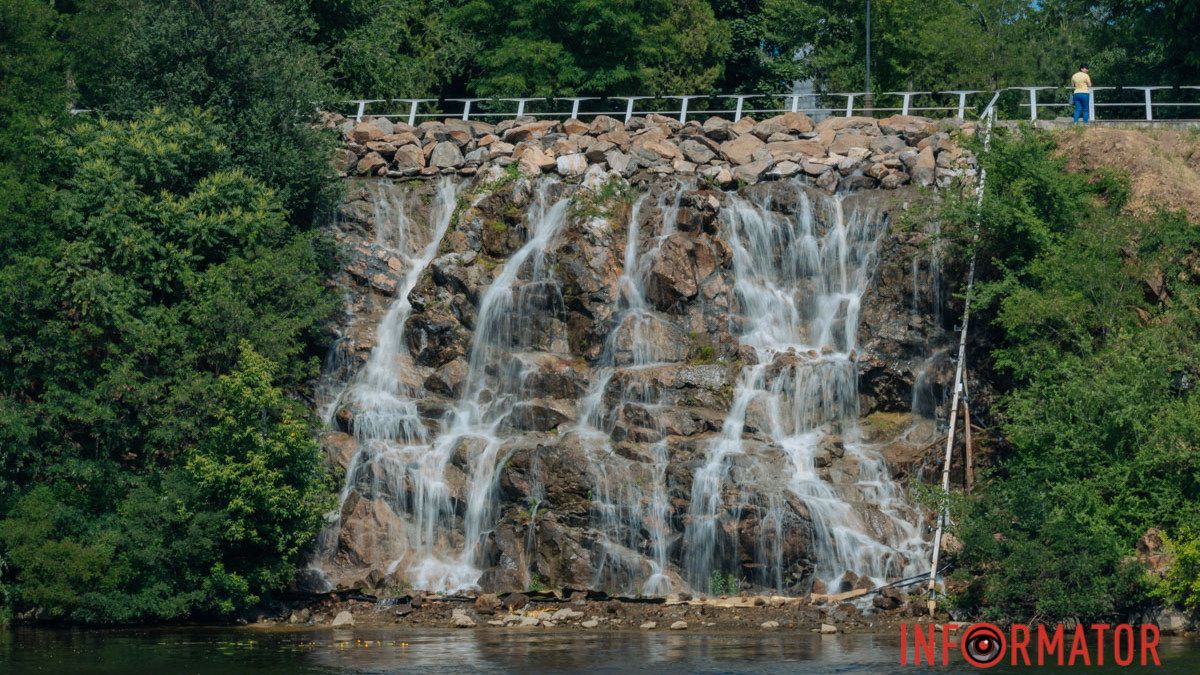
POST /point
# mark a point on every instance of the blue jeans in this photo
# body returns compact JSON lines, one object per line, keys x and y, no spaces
{"x":1082,"y":106}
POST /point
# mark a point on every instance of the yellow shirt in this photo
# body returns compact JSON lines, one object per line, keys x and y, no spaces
{"x":1082,"y":82}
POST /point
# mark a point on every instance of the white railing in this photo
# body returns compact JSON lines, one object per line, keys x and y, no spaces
{"x":959,"y":103}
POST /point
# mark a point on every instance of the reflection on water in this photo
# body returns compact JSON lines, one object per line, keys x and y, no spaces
{"x":224,"y":650}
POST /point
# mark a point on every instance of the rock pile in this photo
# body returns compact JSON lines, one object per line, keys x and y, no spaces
{"x":838,"y":153}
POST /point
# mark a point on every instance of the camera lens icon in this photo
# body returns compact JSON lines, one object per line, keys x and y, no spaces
{"x":983,"y":645}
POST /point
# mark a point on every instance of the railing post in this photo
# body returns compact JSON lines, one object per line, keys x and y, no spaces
{"x":575,"y":101}
{"x":466,"y":105}
{"x":990,"y":109}
{"x":683,"y":106}
{"x":362,"y":107}
{"x":737,"y":113}
{"x":962,"y":100}
{"x":907,"y":100}
{"x":1149,"y":105}
{"x":849,"y":101}
{"x":1092,"y":101}
{"x":412,"y":107}
{"x":629,"y":104}
{"x":1033,"y":100}
{"x":521,"y":104}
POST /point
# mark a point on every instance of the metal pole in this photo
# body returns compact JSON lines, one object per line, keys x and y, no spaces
{"x":958,"y":383}
{"x":629,"y":105}
{"x":868,"y":104}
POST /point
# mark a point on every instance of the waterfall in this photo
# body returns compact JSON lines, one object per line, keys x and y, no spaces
{"x":800,"y":290}
{"x":490,"y":392}
{"x":767,"y":478}
{"x":624,"y":514}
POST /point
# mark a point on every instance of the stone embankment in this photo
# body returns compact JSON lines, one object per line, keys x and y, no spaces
{"x":579,"y":611}
{"x":836,"y":154}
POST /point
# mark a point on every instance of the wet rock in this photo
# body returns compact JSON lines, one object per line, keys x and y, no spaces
{"x":448,"y":379}
{"x":889,"y":599}
{"x":339,"y":448}
{"x":514,"y":601}
{"x":827,"y":629}
{"x":487,"y":604}
{"x":541,"y":414}
{"x":459,"y":619}
{"x":343,"y":619}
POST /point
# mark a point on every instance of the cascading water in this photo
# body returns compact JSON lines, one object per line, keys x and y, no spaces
{"x":800,"y":291}
{"x":785,"y":492}
{"x":398,"y":460}
{"x":491,"y":391}
{"x":386,"y":421}
{"x":624,"y":514}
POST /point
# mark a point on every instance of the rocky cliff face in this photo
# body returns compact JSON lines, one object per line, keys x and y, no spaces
{"x":632,"y":379}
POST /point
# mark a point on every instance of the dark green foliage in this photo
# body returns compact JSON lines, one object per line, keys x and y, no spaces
{"x":392,"y":48}
{"x":168,"y":487}
{"x":248,"y":61}
{"x":541,"y":48}
{"x":1103,"y":436}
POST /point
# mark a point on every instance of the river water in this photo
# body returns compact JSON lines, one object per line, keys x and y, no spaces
{"x":206,"y":651}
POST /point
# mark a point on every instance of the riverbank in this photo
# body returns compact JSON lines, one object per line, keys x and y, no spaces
{"x":855,"y":612}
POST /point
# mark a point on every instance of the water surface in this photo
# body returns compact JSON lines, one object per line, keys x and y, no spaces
{"x":205,"y":651}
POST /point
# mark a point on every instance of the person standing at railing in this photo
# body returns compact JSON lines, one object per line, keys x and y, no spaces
{"x":1081,"y":99}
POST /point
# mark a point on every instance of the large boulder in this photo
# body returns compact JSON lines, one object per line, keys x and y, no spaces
{"x":741,"y":149}
{"x":446,"y":155}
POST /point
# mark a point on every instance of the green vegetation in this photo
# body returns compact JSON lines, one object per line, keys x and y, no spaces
{"x":1182,"y":583}
{"x":164,"y":307}
{"x":1095,"y":318}
{"x":164,"y":304}
{"x":723,"y":583}
{"x":388,"y":48}
{"x":154,"y":467}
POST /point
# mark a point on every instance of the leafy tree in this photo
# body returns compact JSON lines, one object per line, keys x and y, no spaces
{"x":32,"y":85}
{"x":1098,"y":415}
{"x":543,"y":48}
{"x":394,"y":48}
{"x":165,"y":268}
{"x":259,"y":467}
{"x":248,"y":61}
